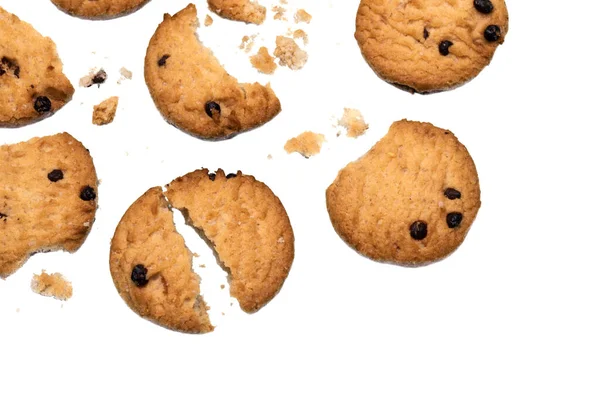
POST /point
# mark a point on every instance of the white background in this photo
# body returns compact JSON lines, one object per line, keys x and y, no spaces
{"x":513,"y":313}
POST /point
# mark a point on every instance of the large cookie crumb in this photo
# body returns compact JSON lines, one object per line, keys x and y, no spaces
{"x":302,"y":16}
{"x":307,"y":144}
{"x":53,"y":285}
{"x":289,"y":53}
{"x":354,"y":122}
{"x":104,"y":113}
{"x":263,"y":61}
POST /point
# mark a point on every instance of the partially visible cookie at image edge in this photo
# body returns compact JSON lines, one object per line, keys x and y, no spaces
{"x":248,"y":11}
{"x":99,"y":9}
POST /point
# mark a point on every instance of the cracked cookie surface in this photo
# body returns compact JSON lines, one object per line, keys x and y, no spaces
{"x":410,"y":199}
{"x":32,"y":84}
{"x":430,"y":45}
{"x":193,"y":91}
{"x":239,"y":10}
{"x":48,"y":198}
{"x":99,"y":9}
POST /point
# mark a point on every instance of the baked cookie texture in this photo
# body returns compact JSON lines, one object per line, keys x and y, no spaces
{"x":48,"y":198}
{"x":247,"y":226}
{"x":239,"y":10}
{"x":32,"y":84}
{"x":99,"y":9}
{"x":430,"y":45}
{"x":152,"y":268}
{"x":410,"y":199}
{"x":193,"y":91}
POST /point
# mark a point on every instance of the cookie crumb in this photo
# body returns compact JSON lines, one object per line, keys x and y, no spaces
{"x":269,"y":156}
{"x":289,"y":53}
{"x":263,"y":61}
{"x":279,"y":13}
{"x":307,"y":144}
{"x":354,"y":122}
{"x":94,"y":77}
{"x":208,"y":21}
{"x":104,"y":113}
{"x":300,"y":34}
{"x":247,"y":43}
{"x":18,"y":310}
{"x":222,"y":286}
{"x":53,"y":285}
{"x":302,"y":16}
{"x":126,"y":73}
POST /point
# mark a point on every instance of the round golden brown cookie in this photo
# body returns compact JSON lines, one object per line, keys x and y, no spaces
{"x":409,"y":200}
{"x":99,"y":9}
{"x":48,"y":198}
{"x":246,"y":225}
{"x":32,"y":84}
{"x":239,"y":10}
{"x":152,"y":268}
{"x":193,"y":91}
{"x":430,"y":45}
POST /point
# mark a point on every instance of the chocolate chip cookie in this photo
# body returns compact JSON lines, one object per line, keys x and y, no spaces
{"x":430,"y":45}
{"x":410,"y":200}
{"x":99,"y":9}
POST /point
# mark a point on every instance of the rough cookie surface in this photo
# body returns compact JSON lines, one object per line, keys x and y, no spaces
{"x":239,"y":10}
{"x":263,"y":61}
{"x":410,"y":200}
{"x":32,"y":84}
{"x":191,"y":88}
{"x":99,"y":9}
{"x":429,"y":45}
{"x":152,"y":268}
{"x":248,"y":227}
{"x":306,"y":144}
{"x":53,"y":285}
{"x":104,"y":113}
{"x":48,"y":189}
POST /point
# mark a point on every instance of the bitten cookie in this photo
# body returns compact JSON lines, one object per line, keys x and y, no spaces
{"x":430,"y":45}
{"x":48,"y":198}
{"x":247,"y":226}
{"x":32,"y":84}
{"x":99,"y":9}
{"x":239,"y":10}
{"x":193,"y":91}
{"x":152,"y":268}
{"x":409,"y":200}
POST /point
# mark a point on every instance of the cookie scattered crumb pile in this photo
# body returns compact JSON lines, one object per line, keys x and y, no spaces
{"x":193,"y":91}
{"x":93,"y":78}
{"x":289,"y":53}
{"x":302,"y":16}
{"x":104,"y":113}
{"x":32,"y":83}
{"x":99,"y":9}
{"x":307,"y":144}
{"x":248,"y":11}
{"x":410,"y":200}
{"x":354,"y":122}
{"x":263,"y":61}
{"x":53,"y":285}
{"x":48,"y":187}
{"x":239,"y":217}
{"x":454,"y":41}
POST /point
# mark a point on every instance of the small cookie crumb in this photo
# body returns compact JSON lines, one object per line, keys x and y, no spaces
{"x":53,"y":285}
{"x":289,"y":53}
{"x":104,"y":113}
{"x":222,"y":286}
{"x":263,"y":61}
{"x":208,"y":21}
{"x":18,"y":310}
{"x":269,"y":156}
{"x":307,"y":144}
{"x":247,"y":43}
{"x":125,"y":73}
{"x":94,"y":77}
{"x":354,"y":122}
{"x":279,"y":13}
{"x":302,"y":16}
{"x":300,"y":34}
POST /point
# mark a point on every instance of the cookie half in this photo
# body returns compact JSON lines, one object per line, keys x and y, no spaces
{"x":32,"y":84}
{"x":193,"y":91}
{"x":99,"y":9}
{"x":430,"y":45}
{"x":410,"y":200}
{"x":48,"y":198}
{"x":239,"y":10}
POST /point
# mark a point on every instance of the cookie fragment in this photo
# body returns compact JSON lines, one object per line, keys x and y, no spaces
{"x":99,"y":9}
{"x":54,"y":285}
{"x":306,"y":144}
{"x":263,"y":61}
{"x":208,"y":21}
{"x":104,"y":113}
{"x":354,"y":122}
{"x":302,"y":16}
{"x":239,"y":10}
{"x":247,"y":43}
{"x":289,"y":53}
{"x":94,"y":77}
{"x":300,"y":34}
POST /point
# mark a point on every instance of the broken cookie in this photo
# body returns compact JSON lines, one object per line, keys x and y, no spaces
{"x":239,"y":10}
{"x":54,"y":285}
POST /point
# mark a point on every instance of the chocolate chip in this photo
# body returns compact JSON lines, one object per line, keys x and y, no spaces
{"x":87,"y":194}
{"x":231,"y":176}
{"x":483,"y":6}
{"x":55,"y":175}
{"x":99,"y":77}
{"x":425,"y":33}
{"x":212,"y":109}
{"x":42,"y":104}
{"x":492,"y":33}
{"x":17,"y":71}
{"x":444,"y":47}
{"x":452,"y":193}
{"x":453,"y":219}
{"x":163,"y":60}
{"x":212,"y":176}
{"x":138,"y":275}
{"x":2,"y":71}
{"x":418,"y":230}
{"x":3,"y":216}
